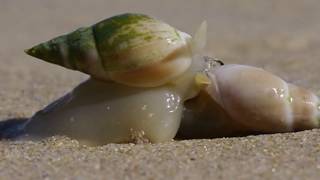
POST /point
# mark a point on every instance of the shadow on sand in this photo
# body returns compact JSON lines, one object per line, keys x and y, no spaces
{"x":11,"y":128}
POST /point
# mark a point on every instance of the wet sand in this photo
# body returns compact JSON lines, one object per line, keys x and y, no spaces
{"x":280,"y":36}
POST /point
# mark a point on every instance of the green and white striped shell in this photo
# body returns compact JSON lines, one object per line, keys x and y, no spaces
{"x":131,"y":49}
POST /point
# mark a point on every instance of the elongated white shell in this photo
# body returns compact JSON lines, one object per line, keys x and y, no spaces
{"x":262,"y":101}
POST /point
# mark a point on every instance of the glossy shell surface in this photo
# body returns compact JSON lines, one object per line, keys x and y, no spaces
{"x":132,"y":49}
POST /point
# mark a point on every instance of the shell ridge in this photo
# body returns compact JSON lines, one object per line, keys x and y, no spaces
{"x":288,"y":108}
{"x":64,"y":50}
{"x":71,"y":46}
{"x":100,"y":59}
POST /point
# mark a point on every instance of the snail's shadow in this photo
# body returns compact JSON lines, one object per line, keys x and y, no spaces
{"x":9,"y":128}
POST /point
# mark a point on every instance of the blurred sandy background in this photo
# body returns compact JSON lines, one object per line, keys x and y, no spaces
{"x":281,"y":36}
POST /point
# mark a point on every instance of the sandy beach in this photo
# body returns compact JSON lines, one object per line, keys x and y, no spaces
{"x":281,"y":36}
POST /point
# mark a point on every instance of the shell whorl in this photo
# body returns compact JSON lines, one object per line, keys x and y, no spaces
{"x":76,"y":50}
{"x":262,"y":101}
{"x":118,"y":45}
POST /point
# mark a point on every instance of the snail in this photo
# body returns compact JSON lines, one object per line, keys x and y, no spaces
{"x":148,"y":79}
{"x":242,"y":99}
{"x":142,"y":70}
{"x":131,"y":49}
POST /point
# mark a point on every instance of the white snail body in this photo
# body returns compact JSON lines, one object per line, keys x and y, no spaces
{"x":97,"y":113}
{"x":242,"y":99}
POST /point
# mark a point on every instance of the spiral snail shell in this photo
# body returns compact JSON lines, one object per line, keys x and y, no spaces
{"x":262,"y":100}
{"x":132,"y":49}
{"x":241,"y":99}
